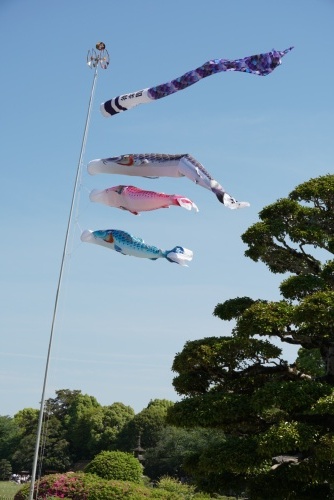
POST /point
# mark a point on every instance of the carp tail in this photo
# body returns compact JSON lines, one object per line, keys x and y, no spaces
{"x":179,"y":255}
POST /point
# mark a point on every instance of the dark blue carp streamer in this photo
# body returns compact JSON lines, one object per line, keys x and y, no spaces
{"x":259,"y":64}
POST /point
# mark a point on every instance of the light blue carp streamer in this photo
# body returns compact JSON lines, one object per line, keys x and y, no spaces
{"x":126,"y":244}
{"x":259,"y":64}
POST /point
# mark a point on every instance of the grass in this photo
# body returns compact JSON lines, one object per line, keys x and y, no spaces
{"x":8,"y":490}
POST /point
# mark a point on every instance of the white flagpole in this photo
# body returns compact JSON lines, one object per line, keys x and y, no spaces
{"x":94,"y":60}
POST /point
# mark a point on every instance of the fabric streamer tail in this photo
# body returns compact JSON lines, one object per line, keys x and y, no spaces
{"x":179,"y":255}
{"x":229,"y":201}
{"x":186,"y":203}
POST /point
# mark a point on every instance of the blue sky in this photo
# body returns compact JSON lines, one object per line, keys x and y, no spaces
{"x":121,"y":320}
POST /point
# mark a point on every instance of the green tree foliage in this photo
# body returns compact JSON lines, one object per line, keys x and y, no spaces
{"x":54,"y":447}
{"x":116,"y":465}
{"x":175,"y":447}
{"x":114,"y":418}
{"x":5,"y":469}
{"x":88,"y":427}
{"x":9,"y":436}
{"x":278,"y":417}
{"x":148,"y":424}
{"x":80,"y":418}
{"x":75,"y":427}
{"x":92,"y":428}
{"x":310,"y":361}
{"x":26,"y":421}
{"x":60,"y":405}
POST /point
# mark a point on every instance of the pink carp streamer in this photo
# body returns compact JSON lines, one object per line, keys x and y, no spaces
{"x":137,"y":200}
{"x":259,"y":64}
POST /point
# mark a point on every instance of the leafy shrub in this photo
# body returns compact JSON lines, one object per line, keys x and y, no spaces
{"x":85,"y":486}
{"x":178,"y":490}
{"x":23,"y":492}
{"x":173,"y":485}
{"x":116,"y":465}
{"x":70,"y":485}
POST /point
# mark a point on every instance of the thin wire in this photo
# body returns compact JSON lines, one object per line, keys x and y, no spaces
{"x":78,"y":174}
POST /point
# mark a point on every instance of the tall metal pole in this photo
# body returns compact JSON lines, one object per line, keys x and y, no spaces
{"x":94,"y":60}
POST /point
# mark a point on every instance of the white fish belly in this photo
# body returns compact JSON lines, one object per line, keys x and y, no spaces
{"x":137,"y":204}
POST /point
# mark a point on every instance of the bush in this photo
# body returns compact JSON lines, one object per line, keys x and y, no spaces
{"x":78,"y":486}
{"x":173,"y":485}
{"x":116,"y":465}
{"x":180,"y":490}
{"x":70,"y":485}
{"x":23,"y":492}
{"x":85,"y":486}
{"x":82,"y":486}
{"x":118,"y":490}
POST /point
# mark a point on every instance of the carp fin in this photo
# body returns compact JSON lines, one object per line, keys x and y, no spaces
{"x":119,"y":249}
{"x":128,"y":210}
